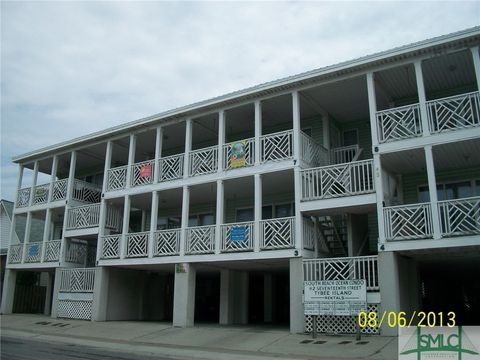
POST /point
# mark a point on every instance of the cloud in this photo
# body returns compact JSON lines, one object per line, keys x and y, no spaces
{"x":71,"y":68}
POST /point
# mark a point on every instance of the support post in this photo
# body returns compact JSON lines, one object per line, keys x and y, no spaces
{"x":56,"y":290}
{"x":184,"y":295}
{"x":476,"y":64}
{"x":297,"y":317}
{"x":422,"y":98}
{"x":258,"y":132}
{"x":153,"y":224}
{"x":48,"y":295}
{"x":188,"y":148}
{"x":378,"y":179}
{"x":226,"y":297}
{"x":257,"y":212}
{"x":46,"y":232}
{"x":131,"y":159}
{"x":69,"y":196}
{"x":267,"y":298}
{"x":297,"y":233}
{"x":372,"y":105}
{"x":126,"y":225}
{"x":102,"y":217}
{"x":185,"y":215}
{"x":26,"y":240}
{"x":388,"y":279}
{"x":221,"y":140}
{"x":296,"y":127}
{"x":100,"y":291}
{"x":34,"y":182}
{"x":53,"y":177}
{"x":220,"y":215}
{"x":158,"y":154}
{"x":326,"y":131}
{"x":432,"y":188}
{"x":8,"y":291}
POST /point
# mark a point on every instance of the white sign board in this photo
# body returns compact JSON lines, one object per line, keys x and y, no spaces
{"x":335,"y":297}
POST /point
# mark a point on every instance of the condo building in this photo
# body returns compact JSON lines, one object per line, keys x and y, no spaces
{"x":220,"y":210}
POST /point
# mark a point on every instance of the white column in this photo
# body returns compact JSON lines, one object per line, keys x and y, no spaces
{"x":476,"y":64}
{"x":70,"y":186}
{"x":100,"y":291}
{"x":153,"y":223}
{"x":326,"y":131}
{"x":372,"y":105}
{"x":53,"y":177}
{"x":297,"y":318}
{"x":126,"y":225}
{"x":184,"y":295}
{"x":258,"y":131}
{"x":13,"y":224}
{"x":296,"y":126}
{"x":188,"y":148}
{"x":8,"y":291}
{"x":34,"y":182}
{"x":46,"y":231}
{"x":102,"y":217}
{"x":185,"y":215}
{"x":432,"y":188}
{"x":221,"y":140}
{"x":226,"y":297}
{"x":26,"y":240}
{"x":388,"y":278}
{"x":422,"y":98}
{"x":257,"y":211}
{"x":220,"y":215}
{"x":56,"y":290}
{"x":158,"y":153}
{"x":298,"y":215}
{"x":377,"y":178}
{"x":48,"y":295}
{"x":241,"y":297}
{"x":108,"y":164}
{"x":131,"y":159}
{"x":267,"y":298}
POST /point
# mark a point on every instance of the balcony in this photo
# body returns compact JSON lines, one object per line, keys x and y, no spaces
{"x":35,"y":252}
{"x":443,"y":115}
{"x":237,"y":237}
{"x":82,"y":191}
{"x":339,"y":180}
{"x":460,"y":217}
{"x":88,"y":216}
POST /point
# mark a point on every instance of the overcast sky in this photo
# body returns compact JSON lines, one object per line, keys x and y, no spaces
{"x":71,"y":68}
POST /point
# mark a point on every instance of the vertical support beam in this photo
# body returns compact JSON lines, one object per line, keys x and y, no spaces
{"x":34,"y":182}
{"x":378,"y":179}
{"x":257,"y":211}
{"x":226,"y":297}
{"x":56,"y":290}
{"x":297,"y":318}
{"x":326,"y":131}
{"x":53,"y":177}
{"x":26,"y":240}
{"x":13,"y":235}
{"x":70,"y":186}
{"x":131,"y":159}
{"x":432,"y":188}
{"x":48,"y":295}
{"x":153,"y":223}
{"x":126,"y":225}
{"x":220,"y":215}
{"x":296,"y":126}
{"x":46,"y":232}
{"x":188,"y":148}
{"x":298,"y":214}
{"x":267,"y":298}
{"x":102,"y":217}
{"x":185,"y":215}
{"x":388,"y":279}
{"x":8,"y":291}
{"x":422,"y":98}
{"x":241,"y":297}
{"x":184,"y":296}
{"x":158,"y":154}
{"x":100,"y":293}
{"x":108,"y":165}
{"x":372,"y":105}
{"x":221,"y":140}
{"x":258,"y":131}
{"x":476,"y":64}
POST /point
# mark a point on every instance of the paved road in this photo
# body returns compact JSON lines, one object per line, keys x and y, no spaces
{"x":26,"y":349}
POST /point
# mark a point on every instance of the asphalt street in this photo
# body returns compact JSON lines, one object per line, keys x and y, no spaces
{"x":26,"y":349}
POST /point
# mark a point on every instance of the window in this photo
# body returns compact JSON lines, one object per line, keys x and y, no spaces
{"x":457,"y":190}
{"x":244,"y":215}
{"x":350,"y":137}
{"x":201,"y":220}
{"x":283,"y":210}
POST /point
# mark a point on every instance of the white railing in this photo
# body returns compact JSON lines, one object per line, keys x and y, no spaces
{"x":277,"y":233}
{"x":399,"y":123}
{"x":344,"y":154}
{"x":81,"y":217}
{"x":454,"y":112}
{"x":86,"y":192}
{"x":460,"y":216}
{"x":52,"y":250}
{"x":167,"y":242}
{"x":111,"y":246}
{"x":76,"y":251}
{"x":114,"y":218}
{"x":15,"y":254}
{"x":23,"y":197}
{"x":117,"y":178}
{"x":237,"y":237}
{"x":60,"y":190}
{"x":203,"y":161}
{"x":171,"y":167}
{"x":77,"y":280}
{"x":277,"y":146}
{"x":200,"y":239}
{"x":308,"y":234}
{"x":406,"y":222}
{"x":33,"y":252}
{"x":137,"y":244}
{"x":238,"y":154}
{"x":348,"y":268}
{"x":143,"y":173}
{"x":40,"y":194}
{"x":313,"y":153}
{"x":348,"y":179}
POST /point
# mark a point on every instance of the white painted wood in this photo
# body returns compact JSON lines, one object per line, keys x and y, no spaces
{"x":421,"y":97}
{"x":221,"y":140}
{"x":131,"y":159}
{"x":53,"y":177}
{"x":185,"y":215}
{"x":258,"y":201}
{"x":46,"y":231}
{"x":372,"y":106}
{"x":378,"y":178}
{"x":296,"y":125}
{"x":126,"y":225}
{"x":326,"y":131}
{"x":188,"y":147}
{"x":258,"y":131}
{"x":34,"y":182}
{"x":158,"y":153}
{"x":476,"y":64}
{"x":220,"y":214}
{"x":103,"y":202}
{"x":432,"y":189}
{"x":153,"y":223}
{"x":28,"y":227}
{"x":298,"y":215}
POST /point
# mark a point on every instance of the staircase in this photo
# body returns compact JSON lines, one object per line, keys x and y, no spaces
{"x":334,"y":232}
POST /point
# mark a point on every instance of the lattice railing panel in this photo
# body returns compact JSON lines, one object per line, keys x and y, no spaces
{"x":200,"y":239}
{"x":23,"y":197}
{"x":86,"y":192}
{"x":52,"y":250}
{"x":399,"y":123}
{"x":143,"y":173}
{"x":237,"y":237}
{"x":344,"y":154}
{"x":75,"y":309}
{"x":408,"y":222}
{"x":76,"y":251}
{"x":60,"y":190}
{"x":313,"y":153}
{"x":277,"y":233}
{"x":167,"y":242}
{"x":455,"y":112}
{"x":137,"y":244}
{"x":77,"y":280}
{"x":111,"y":246}
{"x":171,"y":167}
{"x":117,"y":178}
{"x":460,"y":217}
{"x":246,"y":148}
{"x":15,"y":254}
{"x":40,"y":194}
{"x":114,"y":218}
{"x":33,"y":252}
{"x":277,"y":146}
{"x":308,"y":234}
{"x":82,"y":217}
{"x":204,"y":161}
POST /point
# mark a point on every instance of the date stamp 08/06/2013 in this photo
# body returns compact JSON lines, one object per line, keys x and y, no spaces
{"x":402,"y":319}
